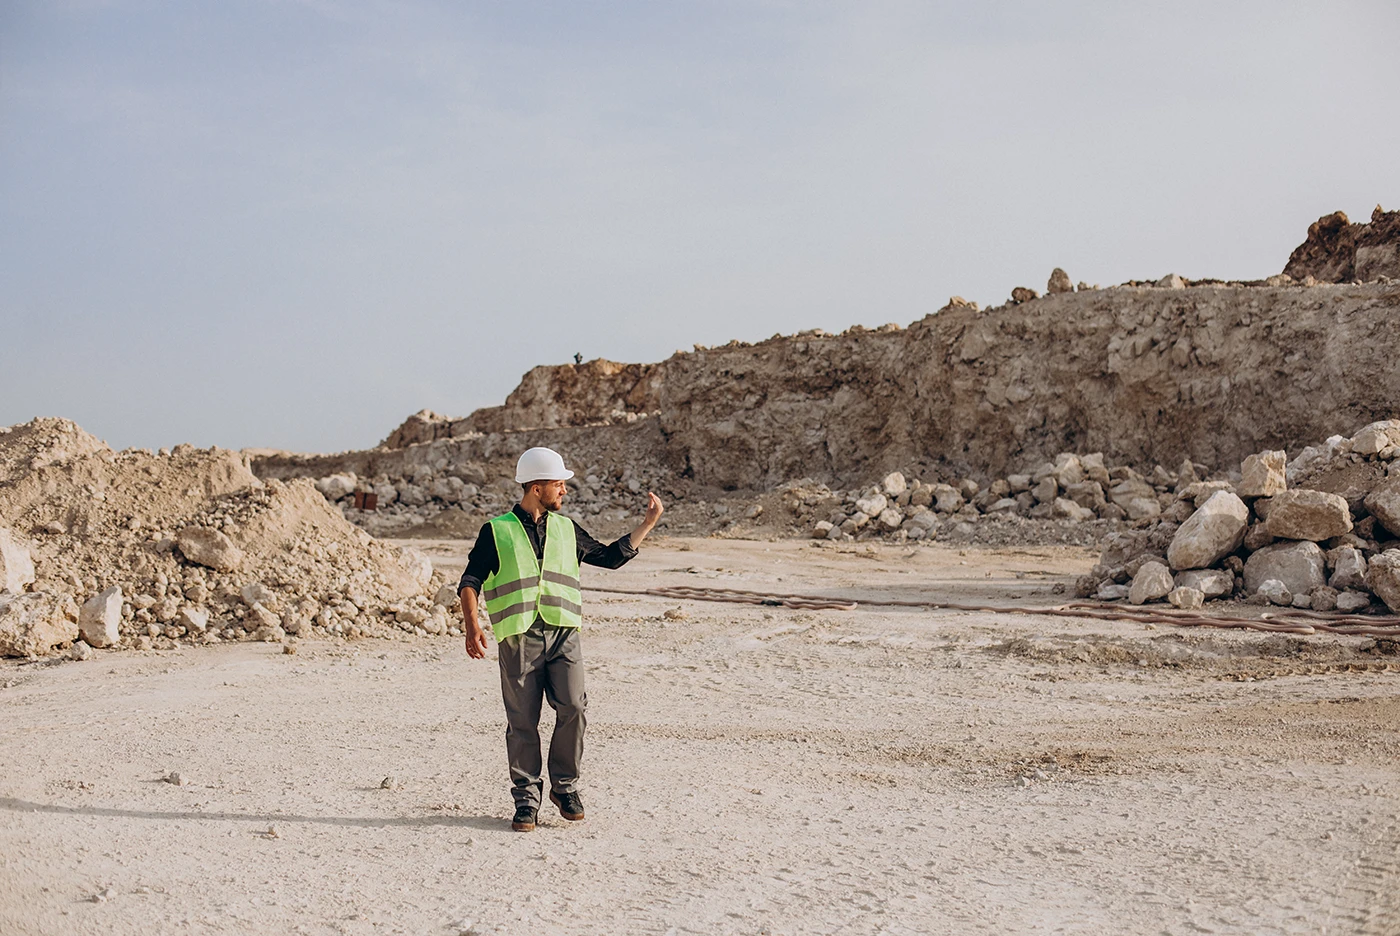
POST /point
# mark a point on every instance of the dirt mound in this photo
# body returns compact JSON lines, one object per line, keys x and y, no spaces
{"x":197,"y":545}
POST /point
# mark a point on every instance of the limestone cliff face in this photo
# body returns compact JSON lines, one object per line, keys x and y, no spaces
{"x":1144,"y":374}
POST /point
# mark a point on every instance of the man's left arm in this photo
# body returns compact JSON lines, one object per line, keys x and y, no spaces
{"x":616,"y":554}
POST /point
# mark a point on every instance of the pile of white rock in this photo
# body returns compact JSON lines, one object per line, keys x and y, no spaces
{"x":1076,"y":488}
{"x":1267,"y":541}
{"x":402,"y":502}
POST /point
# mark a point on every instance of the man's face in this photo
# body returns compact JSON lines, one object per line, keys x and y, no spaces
{"x":552,"y":494}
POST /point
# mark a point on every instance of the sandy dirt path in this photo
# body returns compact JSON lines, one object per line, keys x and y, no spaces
{"x":750,"y":770}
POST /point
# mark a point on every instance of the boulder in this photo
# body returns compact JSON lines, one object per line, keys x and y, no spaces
{"x":1212,"y":583}
{"x":1263,"y":475}
{"x":1383,"y":503}
{"x":947,"y":499}
{"x":872,"y":506}
{"x":16,"y":564}
{"x":1348,"y":568}
{"x":209,"y":547}
{"x":419,"y":566}
{"x":1210,"y":534}
{"x":922,"y":519}
{"x":894,"y":484}
{"x":890,"y":518}
{"x":1383,"y":578}
{"x":100,"y":618}
{"x":1087,"y":494}
{"x":1152,"y":581}
{"x":337,"y":486}
{"x":1308,"y":515}
{"x":1046,"y":490}
{"x":193,"y":620}
{"x":1059,"y":282}
{"x":1023,"y":294}
{"x":1377,"y":437}
{"x":1108,"y":591}
{"x":1198,"y":492}
{"x":34,"y":623}
{"x":1064,"y":507}
{"x":1187,"y":599}
{"x":822,"y":529}
{"x":1275,"y":591}
{"x":1299,"y":565}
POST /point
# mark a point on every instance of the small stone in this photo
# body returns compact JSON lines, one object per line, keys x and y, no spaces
{"x":1111,"y":592}
{"x":193,"y":620}
{"x":1152,"y":581}
{"x":1172,"y":281}
{"x":675,"y":614}
{"x":175,"y":778}
{"x":1187,"y":599}
{"x":1023,"y":294}
{"x":1324,"y":598}
{"x":1046,"y":490}
{"x":894,"y":484}
{"x":1264,"y":475}
{"x":1303,"y":601}
{"x":1275,"y":591}
{"x":1211,"y":583}
{"x":822,"y":530}
{"x":209,"y":547}
{"x":256,"y":593}
{"x":99,"y":619}
{"x":389,"y":783}
{"x":1059,"y":282}
{"x":1349,"y":602}
{"x":1308,"y":515}
{"x":890,"y":518}
{"x":80,"y":651}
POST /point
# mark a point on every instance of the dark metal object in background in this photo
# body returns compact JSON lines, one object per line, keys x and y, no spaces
{"x":366,"y":500}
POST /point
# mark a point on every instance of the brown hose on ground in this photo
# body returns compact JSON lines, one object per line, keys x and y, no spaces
{"x":1293,"y":621}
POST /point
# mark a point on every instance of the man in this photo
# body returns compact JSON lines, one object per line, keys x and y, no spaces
{"x":525,"y":565}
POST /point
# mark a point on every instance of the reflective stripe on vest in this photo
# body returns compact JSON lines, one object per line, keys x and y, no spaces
{"x":519,"y":591}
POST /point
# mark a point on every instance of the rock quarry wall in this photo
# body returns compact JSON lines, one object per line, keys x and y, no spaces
{"x":1145,"y":374}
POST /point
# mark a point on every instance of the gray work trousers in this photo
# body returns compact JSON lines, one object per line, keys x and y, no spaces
{"x":543,"y":663}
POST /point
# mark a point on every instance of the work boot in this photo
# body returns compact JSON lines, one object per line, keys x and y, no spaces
{"x":524,"y":820}
{"x":570,"y":806}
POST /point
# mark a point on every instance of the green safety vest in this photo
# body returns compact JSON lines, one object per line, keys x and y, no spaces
{"x":519,"y":591}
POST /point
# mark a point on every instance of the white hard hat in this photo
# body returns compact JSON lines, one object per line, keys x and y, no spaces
{"x":541,"y":464}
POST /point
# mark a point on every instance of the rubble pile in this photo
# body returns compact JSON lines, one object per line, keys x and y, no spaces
{"x":455,"y":499}
{"x":102,"y":548}
{"x":1320,"y":532}
{"x":1072,"y":489}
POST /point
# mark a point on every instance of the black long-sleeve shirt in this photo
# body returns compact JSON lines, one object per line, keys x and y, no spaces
{"x":483,"y":561}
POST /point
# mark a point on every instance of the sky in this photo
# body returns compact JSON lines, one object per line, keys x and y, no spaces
{"x":291,"y":223}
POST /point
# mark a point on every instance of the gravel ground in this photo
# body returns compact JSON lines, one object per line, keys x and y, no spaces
{"x":750,"y":770}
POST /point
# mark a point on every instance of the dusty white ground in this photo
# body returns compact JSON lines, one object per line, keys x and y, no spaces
{"x":750,"y":770}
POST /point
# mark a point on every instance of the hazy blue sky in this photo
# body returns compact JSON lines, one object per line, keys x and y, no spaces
{"x":294,"y":223}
